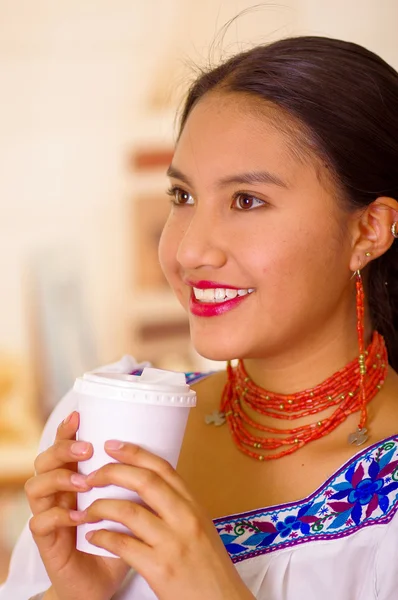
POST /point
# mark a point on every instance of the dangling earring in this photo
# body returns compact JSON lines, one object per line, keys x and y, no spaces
{"x":394,"y":229}
{"x":360,"y":437}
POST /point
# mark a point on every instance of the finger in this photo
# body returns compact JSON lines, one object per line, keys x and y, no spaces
{"x":61,"y":453}
{"x":40,"y":490}
{"x":46,"y":523}
{"x":67,"y":429}
{"x":142,"y":523}
{"x":139,"y":457}
{"x":152,"y":489}
{"x":132,"y":551}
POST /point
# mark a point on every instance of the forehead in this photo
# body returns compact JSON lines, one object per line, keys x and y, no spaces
{"x":225,"y":133}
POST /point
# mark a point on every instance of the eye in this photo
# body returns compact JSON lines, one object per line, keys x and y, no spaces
{"x":180,"y":197}
{"x":246,"y":202}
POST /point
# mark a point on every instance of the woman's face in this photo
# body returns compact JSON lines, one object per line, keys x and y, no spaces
{"x":253,"y":247}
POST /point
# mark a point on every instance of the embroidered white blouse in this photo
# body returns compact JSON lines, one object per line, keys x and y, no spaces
{"x":339,"y":543}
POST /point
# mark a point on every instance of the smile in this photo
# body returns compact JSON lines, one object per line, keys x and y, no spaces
{"x":213,"y":302}
{"x":218,"y":295}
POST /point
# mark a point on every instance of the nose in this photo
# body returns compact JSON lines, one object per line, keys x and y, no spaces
{"x":202,"y":243}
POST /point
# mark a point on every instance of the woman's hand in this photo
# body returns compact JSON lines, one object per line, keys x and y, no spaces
{"x":177,"y":548}
{"x":52,"y":497}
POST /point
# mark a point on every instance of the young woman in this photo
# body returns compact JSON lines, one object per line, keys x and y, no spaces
{"x":281,"y":246}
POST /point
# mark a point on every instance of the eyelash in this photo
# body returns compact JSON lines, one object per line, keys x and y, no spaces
{"x":172,"y":192}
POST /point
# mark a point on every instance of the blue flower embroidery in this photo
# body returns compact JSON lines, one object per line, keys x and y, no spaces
{"x":364,"y":489}
{"x":274,"y":518}
{"x":360,"y":491}
{"x":291,"y":523}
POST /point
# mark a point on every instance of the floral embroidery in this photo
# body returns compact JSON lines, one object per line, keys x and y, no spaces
{"x":195,"y":377}
{"x":363,"y":492}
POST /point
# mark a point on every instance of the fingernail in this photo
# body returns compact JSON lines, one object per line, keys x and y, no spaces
{"x":79,"y":480}
{"x":113,"y":445}
{"x":80,"y":448}
{"x":77,"y":515}
{"x":68,"y":418}
{"x":89,"y":535}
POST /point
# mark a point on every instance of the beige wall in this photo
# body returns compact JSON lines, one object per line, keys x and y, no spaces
{"x":372,"y":23}
{"x":76,"y":78}
{"x":72,"y":85}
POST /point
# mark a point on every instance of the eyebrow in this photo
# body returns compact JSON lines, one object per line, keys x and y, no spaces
{"x":251,"y":177}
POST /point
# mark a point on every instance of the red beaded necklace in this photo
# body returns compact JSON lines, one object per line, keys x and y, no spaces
{"x":350,"y":390}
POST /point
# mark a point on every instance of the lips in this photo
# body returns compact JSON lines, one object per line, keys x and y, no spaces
{"x":214,"y":308}
{"x":211,"y":295}
{"x":204,"y":284}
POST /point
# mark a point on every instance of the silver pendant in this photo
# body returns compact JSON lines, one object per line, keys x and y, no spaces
{"x":359,"y":437}
{"x":217,"y":418}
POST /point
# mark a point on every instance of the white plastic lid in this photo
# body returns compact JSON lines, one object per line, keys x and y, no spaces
{"x":153,"y":386}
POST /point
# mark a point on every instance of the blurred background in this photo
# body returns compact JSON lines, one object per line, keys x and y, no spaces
{"x":89,"y":92}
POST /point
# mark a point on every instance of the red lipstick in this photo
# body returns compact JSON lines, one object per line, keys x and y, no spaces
{"x":207,"y":285}
{"x":213,"y":309}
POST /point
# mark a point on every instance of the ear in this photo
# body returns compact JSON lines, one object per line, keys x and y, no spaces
{"x":372,"y":231}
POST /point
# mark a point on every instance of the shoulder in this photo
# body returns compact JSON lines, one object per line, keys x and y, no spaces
{"x":358,"y":503}
{"x":201,"y":442}
{"x":208,"y":388}
{"x":211,"y":380}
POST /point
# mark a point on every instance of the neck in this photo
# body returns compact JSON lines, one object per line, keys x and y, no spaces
{"x":302,"y":369}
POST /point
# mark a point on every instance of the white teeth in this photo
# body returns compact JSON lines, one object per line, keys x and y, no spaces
{"x":198,"y":293}
{"x":231,"y":294}
{"x":208,"y":295}
{"x":219,"y":294}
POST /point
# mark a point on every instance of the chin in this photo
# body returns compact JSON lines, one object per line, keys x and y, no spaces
{"x":215,"y":349}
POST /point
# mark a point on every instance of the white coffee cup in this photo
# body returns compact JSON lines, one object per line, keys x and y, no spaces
{"x":150,"y":410}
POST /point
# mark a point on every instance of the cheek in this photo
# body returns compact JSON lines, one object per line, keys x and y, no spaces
{"x":167,"y":252}
{"x":290,"y":259}
{"x":164,"y":249}
{"x":307,"y":267}
{"x":267,"y":253}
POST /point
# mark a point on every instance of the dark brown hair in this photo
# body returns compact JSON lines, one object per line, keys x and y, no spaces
{"x":347,"y":98}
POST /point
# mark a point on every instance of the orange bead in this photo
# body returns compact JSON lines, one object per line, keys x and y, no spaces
{"x":348,"y":389}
